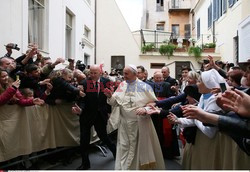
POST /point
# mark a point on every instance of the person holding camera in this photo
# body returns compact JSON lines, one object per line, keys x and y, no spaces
{"x":9,"y":48}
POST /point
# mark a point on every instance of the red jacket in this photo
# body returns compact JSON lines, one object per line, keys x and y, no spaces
{"x":13,"y":96}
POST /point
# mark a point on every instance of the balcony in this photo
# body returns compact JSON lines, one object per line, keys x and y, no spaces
{"x":179,"y":5}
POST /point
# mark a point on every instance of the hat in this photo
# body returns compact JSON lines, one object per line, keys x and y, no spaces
{"x":192,"y":91}
{"x":133,"y":67}
{"x":212,"y":79}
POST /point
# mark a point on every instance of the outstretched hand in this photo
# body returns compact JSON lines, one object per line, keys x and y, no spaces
{"x":236,"y":101}
{"x":153,"y":110}
{"x":192,"y":112}
{"x":172,"y":118}
{"x":38,"y":101}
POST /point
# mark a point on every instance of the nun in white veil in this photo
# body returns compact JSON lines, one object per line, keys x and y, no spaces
{"x":202,"y":153}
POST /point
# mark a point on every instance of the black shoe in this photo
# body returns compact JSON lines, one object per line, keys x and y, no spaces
{"x":84,"y":167}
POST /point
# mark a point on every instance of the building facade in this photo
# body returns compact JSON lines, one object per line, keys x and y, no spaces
{"x":218,"y":21}
{"x":60,"y":28}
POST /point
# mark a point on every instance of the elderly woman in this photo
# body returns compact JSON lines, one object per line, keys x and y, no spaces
{"x":208,"y":80}
{"x":9,"y":93}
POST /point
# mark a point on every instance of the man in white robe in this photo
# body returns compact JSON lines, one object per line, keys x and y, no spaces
{"x":137,"y":143}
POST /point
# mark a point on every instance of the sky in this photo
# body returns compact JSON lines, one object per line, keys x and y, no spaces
{"x":132,"y":12}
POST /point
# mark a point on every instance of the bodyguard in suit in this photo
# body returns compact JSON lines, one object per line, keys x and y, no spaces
{"x":93,"y":110}
{"x":165,"y":72}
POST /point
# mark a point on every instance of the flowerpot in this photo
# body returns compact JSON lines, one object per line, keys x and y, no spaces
{"x":180,"y":50}
{"x":208,"y":50}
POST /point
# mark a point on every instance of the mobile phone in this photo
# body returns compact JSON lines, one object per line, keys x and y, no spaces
{"x":223,"y":87}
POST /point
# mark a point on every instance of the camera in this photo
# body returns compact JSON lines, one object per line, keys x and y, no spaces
{"x":12,"y":46}
{"x":205,"y":61}
{"x":81,"y":66}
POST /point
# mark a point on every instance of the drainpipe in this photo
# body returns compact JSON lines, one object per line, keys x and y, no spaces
{"x":95,"y":30}
{"x":213,"y":30}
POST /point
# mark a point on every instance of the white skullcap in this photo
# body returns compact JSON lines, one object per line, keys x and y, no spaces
{"x":133,"y":67}
{"x":212,"y":79}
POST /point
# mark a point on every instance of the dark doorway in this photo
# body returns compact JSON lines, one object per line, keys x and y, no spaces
{"x":179,"y":66}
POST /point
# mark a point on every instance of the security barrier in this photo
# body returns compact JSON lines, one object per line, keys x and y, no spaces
{"x":24,"y":130}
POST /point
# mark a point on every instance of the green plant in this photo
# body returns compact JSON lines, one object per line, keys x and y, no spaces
{"x":167,"y":49}
{"x":209,"y":45}
{"x":147,"y":47}
{"x":196,"y":51}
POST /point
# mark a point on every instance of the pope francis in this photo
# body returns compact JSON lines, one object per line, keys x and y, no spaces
{"x":138,"y":146}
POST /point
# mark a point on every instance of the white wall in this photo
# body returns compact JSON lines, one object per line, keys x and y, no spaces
{"x":114,"y":37}
{"x":201,"y":12}
{"x":226,"y":29}
{"x":155,"y":16}
{"x":14,"y":26}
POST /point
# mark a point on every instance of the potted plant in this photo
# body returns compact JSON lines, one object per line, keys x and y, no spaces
{"x":147,"y":48}
{"x":167,"y":49}
{"x":209,"y":48}
{"x":196,"y":51}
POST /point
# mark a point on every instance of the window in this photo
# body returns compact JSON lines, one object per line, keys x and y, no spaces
{"x":175,"y":30}
{"x":118,"y":63}
{"x":86,"y":59}
{"x":187,"y":31}
{"x":159,"y":5}
{"x":175,"y":3}
{"x":198,"y":29}
{"x":219,"y":8}
{"x":37,"y":23}
{"x":156,"y":65}
{"x":87,"y":32}
{"x":210,"y":16}
{"x":69,"y":33}
{"x":215,"y":9}
{"x":160,"y":26}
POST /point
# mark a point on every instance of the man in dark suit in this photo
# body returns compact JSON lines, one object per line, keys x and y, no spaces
{"x":93,"y":110}
{"x":165,"y":72}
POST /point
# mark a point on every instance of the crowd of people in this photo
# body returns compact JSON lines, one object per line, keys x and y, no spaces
{"x":154,"y":113}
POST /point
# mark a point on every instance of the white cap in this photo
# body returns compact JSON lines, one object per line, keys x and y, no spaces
{"x":133,"y":67}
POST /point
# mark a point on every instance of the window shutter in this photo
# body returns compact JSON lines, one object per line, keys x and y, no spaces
{"x":215,"y":7}
{"x":220,"y":8}
{"x":198,"y":29}
{"x":224,"y":6}
{"x":210,"y":16}
{"x":231,"y":3}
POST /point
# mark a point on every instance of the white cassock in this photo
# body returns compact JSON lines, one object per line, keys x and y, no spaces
{"x":137,"y":143}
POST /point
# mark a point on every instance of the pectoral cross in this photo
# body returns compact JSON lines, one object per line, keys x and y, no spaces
{"x":130,"y":102}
